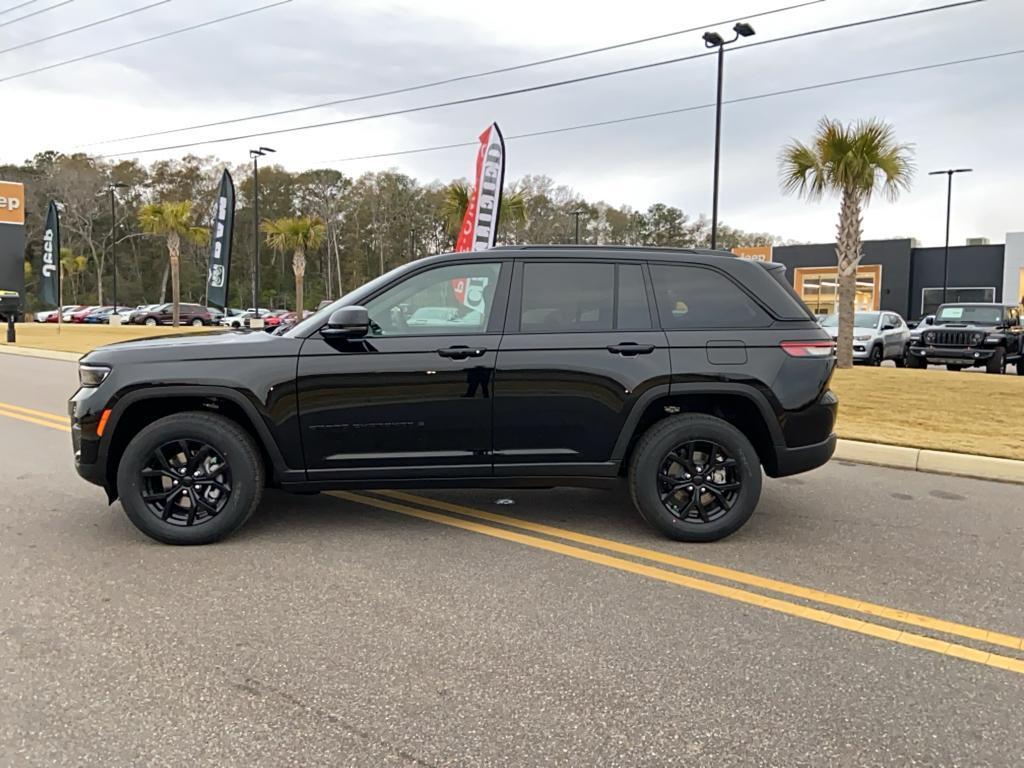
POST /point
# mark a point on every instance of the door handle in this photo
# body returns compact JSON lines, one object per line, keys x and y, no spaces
{"x":461,"y":353}
{"x":629,"y":348}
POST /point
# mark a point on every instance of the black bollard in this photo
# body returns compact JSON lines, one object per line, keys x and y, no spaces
{"x":11,"y":338}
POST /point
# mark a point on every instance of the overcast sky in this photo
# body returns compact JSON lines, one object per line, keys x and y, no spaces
{"x":308,"y":51}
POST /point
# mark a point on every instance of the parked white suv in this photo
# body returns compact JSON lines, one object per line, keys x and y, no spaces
{"x":877,"y":336}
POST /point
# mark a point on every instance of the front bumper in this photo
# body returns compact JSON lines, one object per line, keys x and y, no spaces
{"x":952,"y":355}
{"x":89,"y":461}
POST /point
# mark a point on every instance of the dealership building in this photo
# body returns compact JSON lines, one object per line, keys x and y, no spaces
{"x":899,"y":276}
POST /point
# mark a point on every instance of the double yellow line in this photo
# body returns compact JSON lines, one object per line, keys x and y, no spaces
{"x":466,"y":518}
{"x":556,"y":536}
{"x":32,"y":416}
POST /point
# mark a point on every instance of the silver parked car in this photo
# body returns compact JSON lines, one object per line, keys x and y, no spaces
{"x":877,"y":336}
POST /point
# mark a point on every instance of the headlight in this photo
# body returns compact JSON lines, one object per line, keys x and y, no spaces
{"x":928,"y":337}
{"x":863,"y":337}
{"x":92,"y":375}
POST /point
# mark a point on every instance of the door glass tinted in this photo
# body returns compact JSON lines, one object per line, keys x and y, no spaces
{"x":632,"y":312}
{"x":695,"y":297}
{"x":455,"y":299}
{"x":567,"y":297}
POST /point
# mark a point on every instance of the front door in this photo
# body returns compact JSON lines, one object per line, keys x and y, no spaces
{"x":412,"y":399}
{"x":580,"y":349}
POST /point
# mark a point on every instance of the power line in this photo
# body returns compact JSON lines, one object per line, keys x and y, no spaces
{"x":692,"y":108}
{"x":34,"y":13}
{"x":447,"y":81}
{"x":16,"y":7}
{"x":532,"y":88}
{"x":146,"y":40}
{"x":85,"y":26}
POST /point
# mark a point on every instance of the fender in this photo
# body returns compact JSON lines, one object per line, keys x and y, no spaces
{"x":697,"y":388}
{"x":280,"y":468}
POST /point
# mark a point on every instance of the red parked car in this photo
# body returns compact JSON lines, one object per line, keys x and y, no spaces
{"x":84,"y":312}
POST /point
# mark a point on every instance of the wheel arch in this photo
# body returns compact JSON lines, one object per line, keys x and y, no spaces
{"x":137,"y":409}
{"x":738,"y":404}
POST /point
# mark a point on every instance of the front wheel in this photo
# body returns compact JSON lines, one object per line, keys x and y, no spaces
{"x":916,"y":362}
{"x":190,"y":478}
{"x":996,"y":363}
{"x":151,"y":321}
{"x":695,"y":478}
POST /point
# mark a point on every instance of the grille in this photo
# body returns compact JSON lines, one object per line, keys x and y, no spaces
{"x":953,"y":338}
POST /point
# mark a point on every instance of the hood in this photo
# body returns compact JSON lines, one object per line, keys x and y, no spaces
{"x":213,"y":345}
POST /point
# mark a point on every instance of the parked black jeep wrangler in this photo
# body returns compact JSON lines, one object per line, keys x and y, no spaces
{"x":965,"y":335}
{"x":685,"y":371}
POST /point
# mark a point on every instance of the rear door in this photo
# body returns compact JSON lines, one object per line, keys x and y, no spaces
{"x":580,"y":349}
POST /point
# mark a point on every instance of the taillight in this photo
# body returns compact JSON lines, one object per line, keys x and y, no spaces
{"x":809,"y":348}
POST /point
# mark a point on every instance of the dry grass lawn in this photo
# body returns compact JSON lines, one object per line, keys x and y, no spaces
{"x":81,"y":337}
{"x":967,"y":412}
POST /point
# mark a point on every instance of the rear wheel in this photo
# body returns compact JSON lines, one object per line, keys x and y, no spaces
{"x":901,"y":361}
{"x":996,"y":363}
{"x":190,"y":478}
{"x":695,"y":478}
{"x":876,"y":356}
{"x":196,"y":321}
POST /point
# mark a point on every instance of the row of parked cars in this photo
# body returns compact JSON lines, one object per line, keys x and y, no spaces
{"x":163,"y":314}
{"x":958,"y":336}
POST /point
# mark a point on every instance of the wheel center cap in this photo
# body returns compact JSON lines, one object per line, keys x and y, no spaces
{"x":186,"y":481}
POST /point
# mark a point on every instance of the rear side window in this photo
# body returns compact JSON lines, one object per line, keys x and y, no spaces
{"x":567,"y":297}
{"x":695,"y":297}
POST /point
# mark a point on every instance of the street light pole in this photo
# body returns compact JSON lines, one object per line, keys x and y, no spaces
{"x":113,"y":234}
{"x":256,"y":154}
{"x":949,"y":205}
{"x":576,"y":215}
{"x":715,"y":40}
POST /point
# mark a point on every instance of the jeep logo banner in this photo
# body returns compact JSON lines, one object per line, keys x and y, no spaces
{"x":49,"y":279}
{"x":12,"y":246}
{"x":220,"y":244}
{"x":480,"y":224}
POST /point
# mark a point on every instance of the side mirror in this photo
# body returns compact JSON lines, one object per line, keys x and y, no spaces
{"x":347,"y":323}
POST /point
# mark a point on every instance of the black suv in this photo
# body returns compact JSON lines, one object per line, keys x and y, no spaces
{"x":965,"y":335}
{"x":529,"y":367}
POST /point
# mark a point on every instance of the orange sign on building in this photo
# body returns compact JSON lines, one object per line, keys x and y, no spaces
{"x":12,"y":203}
{"x":754,"y":252}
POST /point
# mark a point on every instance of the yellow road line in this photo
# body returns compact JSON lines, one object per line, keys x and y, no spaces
{"x":741,"y":577}
{"x":33,"y":420}
{"x":62,"y":418}
{"x":709,"y":587}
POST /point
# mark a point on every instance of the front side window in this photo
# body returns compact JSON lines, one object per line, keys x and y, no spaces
{"x":695,"y":297}
{"x":452,"y":300}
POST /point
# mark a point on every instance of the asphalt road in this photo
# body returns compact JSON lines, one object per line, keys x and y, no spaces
{"x":424,"y":631}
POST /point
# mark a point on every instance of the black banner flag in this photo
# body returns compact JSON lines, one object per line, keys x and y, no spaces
{"x":220,"y":244}
{"x":49,"y":282}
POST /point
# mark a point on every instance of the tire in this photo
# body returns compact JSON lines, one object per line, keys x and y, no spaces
{"x":901,"y":361}
{"x":151,"y":321}
{"x":877,"y":355}
{"x":197,"y":321}
{"x":916,"y":362}
{"x":697,"y":517}
{"x":1020,"y":365}
{"x":241,"y":474}
{"x":996,"y":363}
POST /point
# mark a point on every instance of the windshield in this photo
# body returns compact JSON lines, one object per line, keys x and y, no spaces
{"x":860,"y":320}
{"x":965,"y":313}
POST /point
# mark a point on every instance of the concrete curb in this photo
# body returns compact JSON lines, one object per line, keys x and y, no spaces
{"x":48,"y":354}
{"x":922,"y":460}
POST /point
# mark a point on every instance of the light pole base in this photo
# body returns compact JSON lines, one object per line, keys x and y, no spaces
{"x":115,"y":320}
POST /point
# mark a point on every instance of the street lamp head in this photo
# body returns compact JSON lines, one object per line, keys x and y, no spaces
{"x":950,"y":171}
{"x":267,"y":149}
{"x":743,"y":29}
{"x":713,"y":39}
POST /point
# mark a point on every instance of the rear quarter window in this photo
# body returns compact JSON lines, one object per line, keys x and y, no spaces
{"x":698,"y":297}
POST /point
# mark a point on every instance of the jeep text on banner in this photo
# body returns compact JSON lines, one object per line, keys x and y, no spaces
{"x":480,"y":224}
{"x":220,"y":244}
{"x":49,"y":276}
{"x":12,"y":247}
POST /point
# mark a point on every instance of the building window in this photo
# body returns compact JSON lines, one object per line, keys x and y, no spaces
{"x":931,"y":298}
{"x":819,"y":288}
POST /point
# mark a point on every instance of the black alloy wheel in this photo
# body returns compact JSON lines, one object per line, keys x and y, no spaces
{"x":698,"y":481}
{"x":185,"y":482}
{"x":876,"y":356}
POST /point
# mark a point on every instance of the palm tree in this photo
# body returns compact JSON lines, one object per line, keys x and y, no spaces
{"x":176,"y":222}
{"x":456,"y":200}
{"x":853,"y":161}
{"x":298,"y":235}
